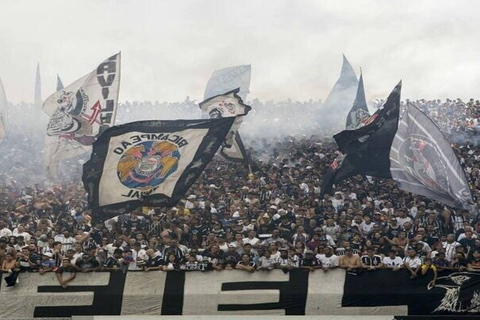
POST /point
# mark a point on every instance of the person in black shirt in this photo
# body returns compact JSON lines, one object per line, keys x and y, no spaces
{"x":67,"y":266}
{"x":154,"y":262}
{"x":114,"y":263}
{"x":87,"y":263}
{"x":310,"y":262}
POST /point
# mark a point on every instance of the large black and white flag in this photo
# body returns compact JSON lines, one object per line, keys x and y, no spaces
{"x":225,"y":80}
{"x":80,"y":112}
{"x":423,"y":162}
{"x":359,"y":111}
{"x":149,"y":163}
{"x":367,"y":148}
{"x":228,"y":104}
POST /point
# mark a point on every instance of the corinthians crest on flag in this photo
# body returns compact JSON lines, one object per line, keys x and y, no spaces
{"x":423,"y":162}
{"x":226,"y":105}
{"x":80,"y":112}
{"x":149,"y":163}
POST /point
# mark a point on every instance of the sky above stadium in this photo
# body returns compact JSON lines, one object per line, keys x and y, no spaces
{"x":170,"y":48}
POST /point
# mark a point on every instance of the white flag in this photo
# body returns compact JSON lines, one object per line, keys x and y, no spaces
{"x":80,"y":112}
{"x":226,"y":105}
{"x":3,"y":112}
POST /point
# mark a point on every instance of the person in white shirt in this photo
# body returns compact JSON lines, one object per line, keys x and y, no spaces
{"x":20,"y":231}
{"x":328,"y":259}
{"x":66,"y":240}
{"x":412,"y":263}
{"x":4,"y":231}
{"x":392,"y":261}
{"x":450,"y":247}
{"x":254,"y":241}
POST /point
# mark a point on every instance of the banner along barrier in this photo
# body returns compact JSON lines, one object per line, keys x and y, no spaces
{"x":236,"y":292}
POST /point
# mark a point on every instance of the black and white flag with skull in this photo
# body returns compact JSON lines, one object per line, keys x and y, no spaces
{"x":80,"y":112}
{"x":149,"y":163}
{"x":229,"y":104}
{"x":423,"y":162}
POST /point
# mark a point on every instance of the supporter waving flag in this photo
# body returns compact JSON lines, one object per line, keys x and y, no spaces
{"x":149,"y":163}
{"x":359,"y":111}
{"x":80,"y":112}
{"x":423,"y":162}
{"x":367,"y":149}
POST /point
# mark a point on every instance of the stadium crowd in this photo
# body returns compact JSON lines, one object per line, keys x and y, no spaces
{"x":272,"y":217}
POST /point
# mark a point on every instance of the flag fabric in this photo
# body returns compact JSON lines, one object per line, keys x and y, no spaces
{"x":59,"y":83}
{"x":340,"y":99}
{"x":236,"y":152}
{"x":3,"y":112}
{"x":149,"y":163}
{"x":227,"y":79}
{"x":359,"y":111}
{"x":80,"y":112}
{"x":228,"y":104}
{"x":367,"y":148}
{"x":423,"y":162}
{"x":38,"y":88}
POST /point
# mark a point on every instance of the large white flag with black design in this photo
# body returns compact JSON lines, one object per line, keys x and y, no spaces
{"x":80,"y":112}
{"x":228,"y":104}
{"x":149,"y":163}
{"x":225,"y":80}
{"x":423,"y":162}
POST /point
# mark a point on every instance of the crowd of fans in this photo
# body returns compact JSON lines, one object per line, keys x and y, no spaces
{"x":272,"y":217}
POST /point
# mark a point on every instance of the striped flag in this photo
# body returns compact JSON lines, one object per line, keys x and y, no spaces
{"x":423,"y":162}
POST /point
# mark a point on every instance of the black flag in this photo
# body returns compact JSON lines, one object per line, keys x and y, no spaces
{"x":359,"y":111}
{"x":367,"y":149}
{"x":149,"y":163}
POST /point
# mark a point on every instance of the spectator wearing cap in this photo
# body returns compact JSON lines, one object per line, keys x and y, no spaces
{"x":46,"y":264}
{"x":87,"y":263}
{"x":310,"y":262}
{"x":350,"y":261}
{"x":231,"y":257}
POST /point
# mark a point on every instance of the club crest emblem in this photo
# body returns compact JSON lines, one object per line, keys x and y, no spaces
{"x":146,"y":165}
{"x":423,"y":161}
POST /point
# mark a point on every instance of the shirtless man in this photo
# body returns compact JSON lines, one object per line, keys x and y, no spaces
{"x":350,"y":261}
